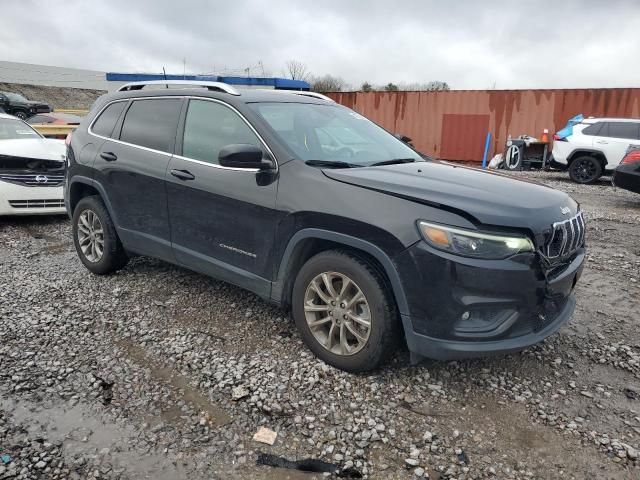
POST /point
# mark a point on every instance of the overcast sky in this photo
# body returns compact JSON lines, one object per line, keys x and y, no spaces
{"x":467,"y":43}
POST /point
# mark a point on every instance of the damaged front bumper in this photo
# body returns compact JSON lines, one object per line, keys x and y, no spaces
{"x":31,"y":186}
{"x":462,"y":307}
{"x":24,"y":200}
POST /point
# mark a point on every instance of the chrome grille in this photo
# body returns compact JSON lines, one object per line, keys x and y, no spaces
{"x":565,"y":238}
{"x":34,"y":179}
{"x":45,"y":203}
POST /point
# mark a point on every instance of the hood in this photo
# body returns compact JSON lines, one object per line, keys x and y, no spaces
{"x":35,"y":148}
{"x":491,"y":198}
{"x":36,"y":103}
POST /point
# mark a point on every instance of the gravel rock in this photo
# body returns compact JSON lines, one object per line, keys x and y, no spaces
{"x":157,"y":371}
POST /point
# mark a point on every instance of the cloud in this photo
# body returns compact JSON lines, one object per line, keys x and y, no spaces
{"x":467,"y":43}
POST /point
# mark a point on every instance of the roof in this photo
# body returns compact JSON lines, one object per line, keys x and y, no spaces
{"x":247,"y":95}
{"x":609,"y":119}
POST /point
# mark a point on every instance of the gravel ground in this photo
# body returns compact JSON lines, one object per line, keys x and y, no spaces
{"x":160,"y":373}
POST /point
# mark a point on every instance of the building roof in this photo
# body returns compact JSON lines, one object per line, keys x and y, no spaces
{"x":265,"y":82}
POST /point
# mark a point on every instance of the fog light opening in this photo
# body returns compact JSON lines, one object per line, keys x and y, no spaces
{"x":484,"y":322}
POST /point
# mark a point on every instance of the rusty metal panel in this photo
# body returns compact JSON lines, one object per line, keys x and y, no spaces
{"x":420,"y":115}
{"x":463,"y":136}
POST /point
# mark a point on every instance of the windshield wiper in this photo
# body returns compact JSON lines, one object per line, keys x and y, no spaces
{"x":393,"y":162}
{"x":330,"y":164}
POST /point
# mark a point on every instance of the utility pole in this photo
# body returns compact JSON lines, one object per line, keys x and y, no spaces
{"x":184,"y":68}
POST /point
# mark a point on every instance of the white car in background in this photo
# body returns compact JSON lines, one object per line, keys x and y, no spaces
{"x":595,"y":147}
{"x":31,"y":170}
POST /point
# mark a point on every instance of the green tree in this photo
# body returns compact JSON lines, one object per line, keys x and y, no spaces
{"x":391,"y":87}
{"x":366,"y":87}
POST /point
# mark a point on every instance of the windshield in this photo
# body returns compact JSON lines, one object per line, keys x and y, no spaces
{"x":332,"y":133}
{"x":16,"y":129}
{"x":15,"y":97}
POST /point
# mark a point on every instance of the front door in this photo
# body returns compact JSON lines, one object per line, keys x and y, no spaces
{"x":132,"y":166}
{"x":222,"y":219}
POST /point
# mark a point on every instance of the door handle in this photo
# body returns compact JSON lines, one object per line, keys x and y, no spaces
{"x":182,"y":174}
{"x":109,"y":156}
{"x":602,"y":142}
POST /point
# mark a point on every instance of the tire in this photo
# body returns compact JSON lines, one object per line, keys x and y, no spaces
{"x":89,"y":218}
{"x":585,"y":169}
{"x":21,"y":115}
{"x":378,"y":305}
{"x":513,"y":158}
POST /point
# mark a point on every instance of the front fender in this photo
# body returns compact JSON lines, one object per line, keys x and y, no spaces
{"x":277,"y":288}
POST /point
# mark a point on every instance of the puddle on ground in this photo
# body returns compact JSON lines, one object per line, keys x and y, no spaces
{"x":201,"y":403}
{"x":34,"y":233}
{"x":82,"y":433}
{"x":57,"y":248}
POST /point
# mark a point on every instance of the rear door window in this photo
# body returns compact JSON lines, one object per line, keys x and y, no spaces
{"x":592,"y":129}
{"x":626,"y":130}
{"x":152,"y":123}
{"x":210,"y":126}
{"x":107,"y":120}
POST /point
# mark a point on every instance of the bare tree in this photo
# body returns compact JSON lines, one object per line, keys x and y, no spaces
{"x":434,"y":86}
{"x":437,"y":86}
{"x":297,"y":70}
{"x":327,"y":83}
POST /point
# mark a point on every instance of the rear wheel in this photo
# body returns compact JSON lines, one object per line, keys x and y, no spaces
{"x":344,"y":312}
{"x":95,"y":237}
{"x":585,"y":169}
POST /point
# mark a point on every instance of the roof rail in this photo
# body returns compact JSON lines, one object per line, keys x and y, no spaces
{"x":304,"y":93}
{"x":311,"y":94}
{"x":215,"y":86}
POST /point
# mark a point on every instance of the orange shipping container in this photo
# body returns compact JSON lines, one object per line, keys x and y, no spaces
{"x":453,"y":125}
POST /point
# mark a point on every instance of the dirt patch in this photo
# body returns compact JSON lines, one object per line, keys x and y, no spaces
{"x":212,"y":414}
{"x":58,"y":97}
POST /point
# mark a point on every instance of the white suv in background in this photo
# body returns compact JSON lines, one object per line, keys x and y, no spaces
{"x":595,"y":147}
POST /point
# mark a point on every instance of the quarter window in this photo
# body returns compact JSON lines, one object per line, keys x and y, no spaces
{"x":152,"y":123}
{"x":107,"y":120}
{"x":628,"y":130}
{"x":209,"y":127}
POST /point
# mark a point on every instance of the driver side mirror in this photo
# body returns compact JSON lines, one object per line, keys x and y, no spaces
{"x":242,"y":155}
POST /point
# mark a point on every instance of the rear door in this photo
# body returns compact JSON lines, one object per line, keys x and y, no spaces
{"x":131,"y":168}
{"x":614,"y":138}
{"x":222,"y":219}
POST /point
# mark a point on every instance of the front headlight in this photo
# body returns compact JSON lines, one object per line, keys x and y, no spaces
{"x":470,"y":243}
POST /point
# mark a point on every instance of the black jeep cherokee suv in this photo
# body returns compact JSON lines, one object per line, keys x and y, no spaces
{"x":18,"y":106}
{"x":315,"y":208}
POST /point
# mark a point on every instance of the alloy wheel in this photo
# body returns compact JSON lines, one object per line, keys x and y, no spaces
{"x":585,"y":170}
{"x":337,"y":313}
{"x":90,"y":236}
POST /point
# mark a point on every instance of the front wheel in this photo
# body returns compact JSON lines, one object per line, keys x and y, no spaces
{"x":585,"y":170}
{"x":21,"y":115}
{"x":344,"y":311}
